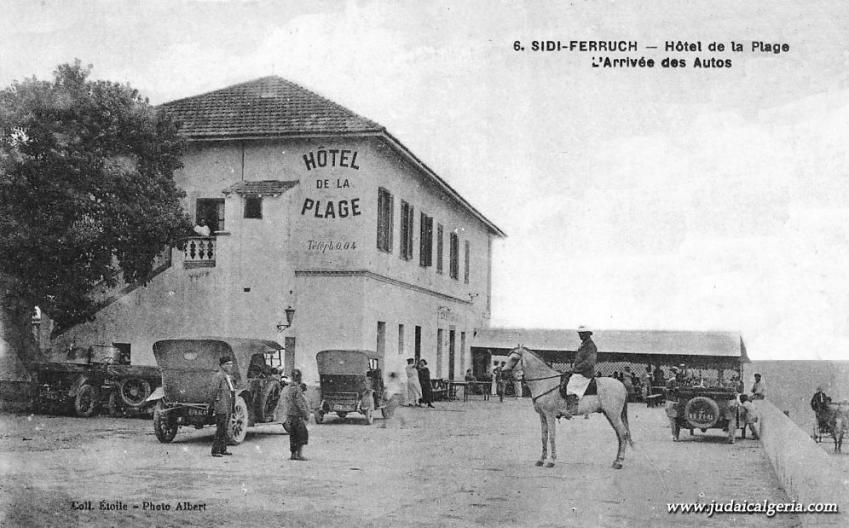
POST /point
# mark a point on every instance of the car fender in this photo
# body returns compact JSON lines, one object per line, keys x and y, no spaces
{"x":157,"y":394}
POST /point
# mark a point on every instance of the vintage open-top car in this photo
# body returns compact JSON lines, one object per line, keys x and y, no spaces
{"x":187,"y":367}
{"x":703,"y":408}
{"x":351,"y":381}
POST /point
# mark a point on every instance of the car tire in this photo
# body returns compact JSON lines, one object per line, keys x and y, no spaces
{"x":85,"y":402}
{"x":133,"y":391}
{"x":238,"y":428}
{"x":163,"y":426}
{"x":268,"y":400}
{"x":701,"y":403}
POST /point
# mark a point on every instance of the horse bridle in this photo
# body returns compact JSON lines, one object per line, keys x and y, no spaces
{"x":535,"y":398}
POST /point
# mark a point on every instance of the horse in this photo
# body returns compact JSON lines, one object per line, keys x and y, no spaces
{"x":544,"y":382}
{"x":834,"y":421}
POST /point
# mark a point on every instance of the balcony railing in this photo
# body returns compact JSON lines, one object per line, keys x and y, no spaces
{"x":199,"y":252}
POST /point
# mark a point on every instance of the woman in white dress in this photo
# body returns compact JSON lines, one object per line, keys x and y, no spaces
{"x":414,"y":388}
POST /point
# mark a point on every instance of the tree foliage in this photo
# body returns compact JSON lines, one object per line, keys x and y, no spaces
{"x":86,"y":189}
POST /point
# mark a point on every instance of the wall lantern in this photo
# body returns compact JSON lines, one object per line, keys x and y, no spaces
{"x":290,"y":314}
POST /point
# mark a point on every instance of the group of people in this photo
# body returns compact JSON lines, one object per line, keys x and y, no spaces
{"x":223,"y":398}
{"x":419,"y":389}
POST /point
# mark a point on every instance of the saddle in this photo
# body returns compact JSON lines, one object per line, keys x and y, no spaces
{"x":592,"y":388}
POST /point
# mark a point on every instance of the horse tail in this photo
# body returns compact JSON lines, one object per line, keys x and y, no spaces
{"x":625,"y":421}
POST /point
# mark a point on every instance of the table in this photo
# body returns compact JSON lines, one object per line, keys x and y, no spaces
{"x":468,"y":386}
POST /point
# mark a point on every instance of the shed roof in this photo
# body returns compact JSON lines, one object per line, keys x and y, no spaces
{"x":264,"y":187}
{"x":648,"y":342}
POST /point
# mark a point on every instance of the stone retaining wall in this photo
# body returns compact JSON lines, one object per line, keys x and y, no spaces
{"x":804,"y":468}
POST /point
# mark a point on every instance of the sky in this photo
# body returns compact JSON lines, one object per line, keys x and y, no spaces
{"x":632,"y":198}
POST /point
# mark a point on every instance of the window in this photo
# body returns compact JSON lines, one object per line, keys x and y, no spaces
{"x":253,"y":207}
{"x":439,"y":248}
{"x":426,"y":241}
{"x":211,"y":210}
{"x":400,"y":339}
{"x":384,"y":220}
{"x":454,"y":257}
{"x":406,"y":230}
{"x":381,"y":338}
{"x":439,"y":352}
{"x":466,"y":251}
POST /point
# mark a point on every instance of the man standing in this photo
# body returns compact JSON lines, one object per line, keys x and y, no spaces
{"x":758,"y":388}
{"x":296,"y":414}
{"x":222,"y":404}
{"x":582,"y":371}
{"x":819,"y":404}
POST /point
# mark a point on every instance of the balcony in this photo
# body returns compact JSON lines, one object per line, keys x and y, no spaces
{"x":199,"y":252}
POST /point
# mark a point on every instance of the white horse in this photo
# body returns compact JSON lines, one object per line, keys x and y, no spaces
{"x":544,"y":382}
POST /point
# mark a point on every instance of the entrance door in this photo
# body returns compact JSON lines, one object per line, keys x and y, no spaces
{"x":418,"y":344}
{"x":451,"y":342}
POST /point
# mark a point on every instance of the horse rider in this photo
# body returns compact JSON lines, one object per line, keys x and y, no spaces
{"x":582,"y":371}
{"x":819,"y":404}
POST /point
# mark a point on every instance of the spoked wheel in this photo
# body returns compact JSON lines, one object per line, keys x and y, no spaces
{"x":163,"y":425}
{"x":134,"y":391}
{"x":86,"y":401}
{"x":238,"y":422}
{"x":369,"y":416}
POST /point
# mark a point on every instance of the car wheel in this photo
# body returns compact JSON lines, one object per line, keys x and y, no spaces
{"x":238,"y":422}
{"x":319,"y":417}
{"x":369,"y":416}
{"x":268,"y":401}
{"x":133,"y":391}
{"x":163,"y":425}
{"x":85,"y":402}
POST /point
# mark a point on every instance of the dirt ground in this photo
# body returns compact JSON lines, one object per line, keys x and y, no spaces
{"x":462,"y":464}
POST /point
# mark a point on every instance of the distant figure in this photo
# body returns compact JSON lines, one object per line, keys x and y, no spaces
{"x":392,"y":395}
{"x":297,"y":412}
{"x":499,"y":381}
{"x":414,"y":388}
{"x":749,"y":417}
{"x":221,"y":401}
{"x":517,"y":385}
{"x":659,"y":376}
{"x":202,"y":229}
{"x":424,"y":381}
{"x":819,"y":404}
{"x":470,"y":379}
{"x":493,"y":379}
{"x":758,"y":388}
{"x":645,"y":379}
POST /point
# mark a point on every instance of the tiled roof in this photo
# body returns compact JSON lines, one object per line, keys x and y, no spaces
{"x":654,"y":342}
{"x":269,"y":106}
{"x":264,"y":187}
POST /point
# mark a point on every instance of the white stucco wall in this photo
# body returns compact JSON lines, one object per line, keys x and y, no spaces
{"x":325,"y":265}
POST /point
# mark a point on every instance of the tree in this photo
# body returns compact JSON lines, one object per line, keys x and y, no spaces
{"x":87,"y":195}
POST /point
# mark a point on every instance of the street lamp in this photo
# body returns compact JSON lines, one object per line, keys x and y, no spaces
{"x":290,"y":314}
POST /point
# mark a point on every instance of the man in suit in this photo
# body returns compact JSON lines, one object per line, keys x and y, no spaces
{"x":221,"y":402}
